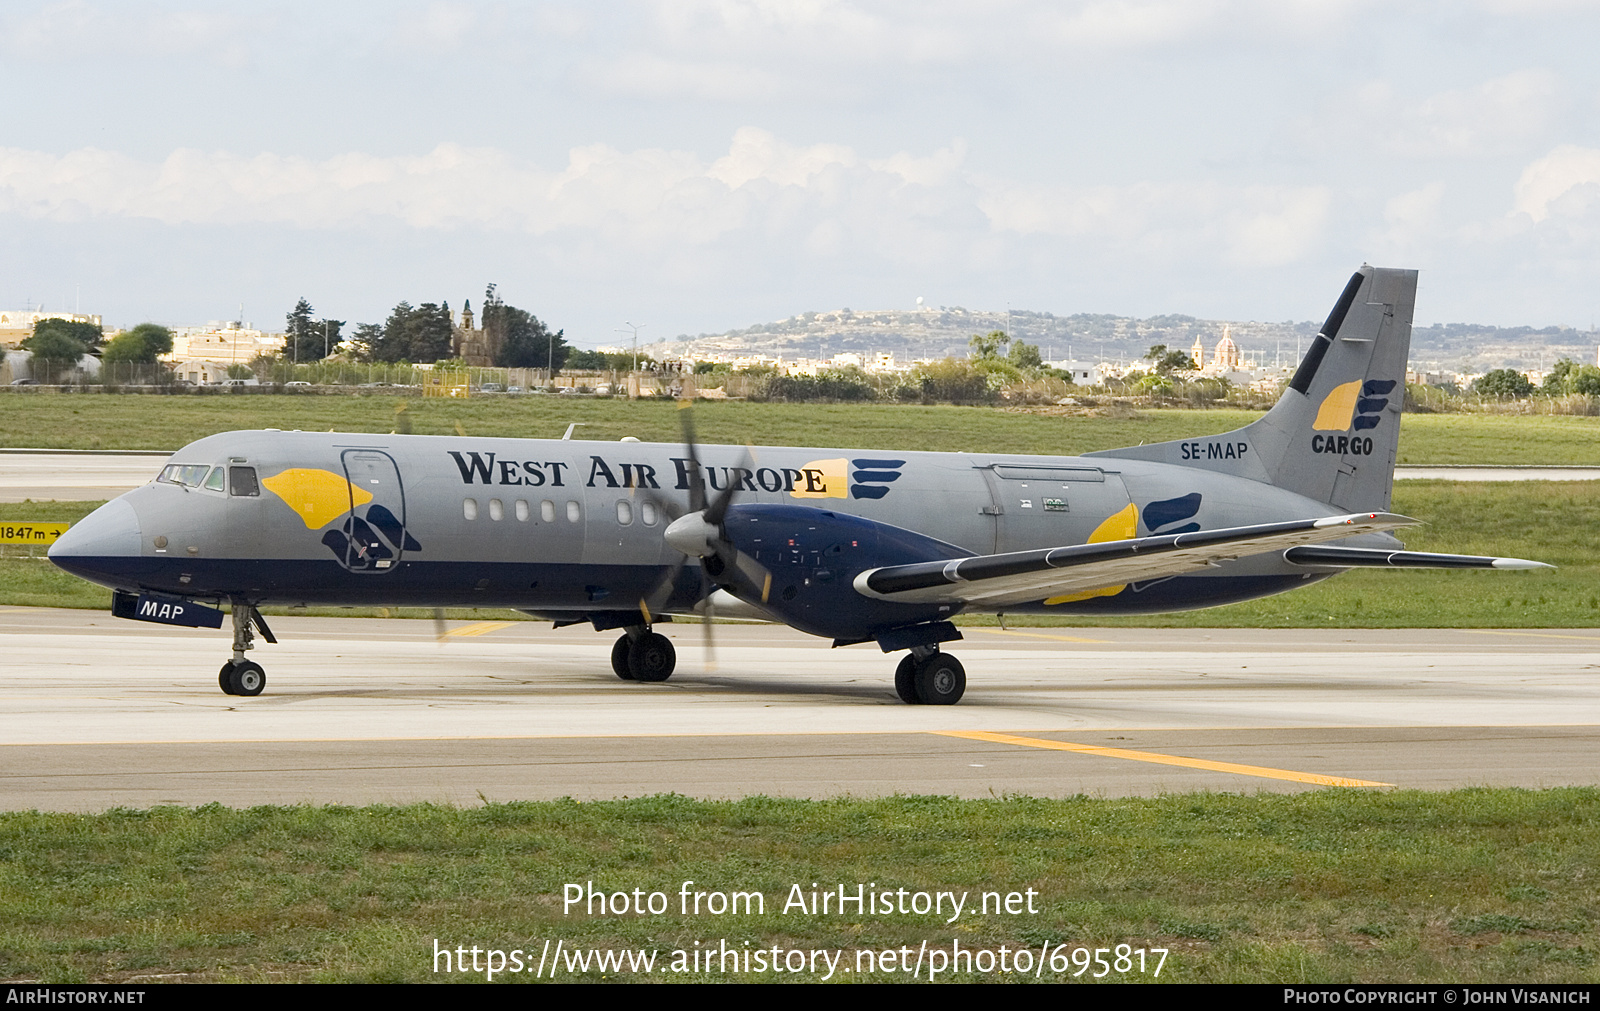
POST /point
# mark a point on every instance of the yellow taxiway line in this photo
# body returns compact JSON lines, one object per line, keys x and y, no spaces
{"x":1532,"y":635}
{"x":480,"y":628}
{"x":1150,"y":756}
{"x":1038,"y":635}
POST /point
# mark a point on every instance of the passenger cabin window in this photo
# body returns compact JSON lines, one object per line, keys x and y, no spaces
{"x":574,"y":511}
{"x":547,"y":511}
{"x":469,"y":508}
{"x":647,"y":512}
{"x":218,"y":479}
{"x":242,"y":482}
{"x":624,"y":512}
{"x":522,"y":510}
{"x":497,"y":510}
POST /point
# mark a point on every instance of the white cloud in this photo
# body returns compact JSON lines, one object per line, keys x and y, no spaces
{"x":763,"y":194}
{"x":1499,"y":116}
{"x":1247,"y":225}
{"x":1565,"y":180}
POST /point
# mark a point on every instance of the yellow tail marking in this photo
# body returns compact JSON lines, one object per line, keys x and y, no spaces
{"x":1338,"y":408}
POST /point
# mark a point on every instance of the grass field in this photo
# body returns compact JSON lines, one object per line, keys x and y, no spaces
{"x":1326,"y":886}
{"x":1547,"y":521}
{"x":98,"y":421}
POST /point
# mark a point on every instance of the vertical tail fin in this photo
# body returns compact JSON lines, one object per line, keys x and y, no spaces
{"x":1334,"y":433}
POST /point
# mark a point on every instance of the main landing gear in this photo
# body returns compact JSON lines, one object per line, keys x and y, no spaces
{"x":643,"y":655}
{"x":240,"y":676}
{"x":927,"y":677}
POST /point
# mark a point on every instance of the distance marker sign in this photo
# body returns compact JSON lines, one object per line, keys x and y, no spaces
{"x":31,"y":533}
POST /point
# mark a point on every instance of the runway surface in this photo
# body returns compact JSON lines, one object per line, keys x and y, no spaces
{"x":42,"y":475}
{"x":96,"y":712}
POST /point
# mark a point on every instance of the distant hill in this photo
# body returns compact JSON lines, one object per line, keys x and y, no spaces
{"x":935,"y":333}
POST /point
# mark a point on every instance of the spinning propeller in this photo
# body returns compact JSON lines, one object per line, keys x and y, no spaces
{"x":702,"y":533}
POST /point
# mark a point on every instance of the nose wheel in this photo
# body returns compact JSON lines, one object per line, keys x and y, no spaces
{"x":932,"y":679}
{"x":240,"y":676}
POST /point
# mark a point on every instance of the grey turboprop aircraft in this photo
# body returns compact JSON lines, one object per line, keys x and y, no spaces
{"x":855,"y":546}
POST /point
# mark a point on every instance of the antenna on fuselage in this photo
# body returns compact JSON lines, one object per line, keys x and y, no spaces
{"x":572,"y":426}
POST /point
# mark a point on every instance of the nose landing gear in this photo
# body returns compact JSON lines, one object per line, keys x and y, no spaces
{"x":240,"y":676}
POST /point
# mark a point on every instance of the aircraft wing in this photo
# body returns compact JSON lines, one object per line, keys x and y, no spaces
{"x":1335,"y":556}
{"x":1023,"y":576}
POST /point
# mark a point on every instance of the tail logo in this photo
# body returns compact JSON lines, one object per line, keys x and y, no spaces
{"x":1354,"y":405}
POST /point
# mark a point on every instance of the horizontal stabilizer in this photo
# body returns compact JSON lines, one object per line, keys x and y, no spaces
{"x":1357,"y":558}
{"x":1025,"y":576}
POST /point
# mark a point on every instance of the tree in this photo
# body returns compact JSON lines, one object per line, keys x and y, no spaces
{"x":54,"y":346}
{"x":365,"y":341}
{"x":1503,"y":383}
{"x":309,"y":339}
{"x":141,"y":344}
{"x":410,"y":334}
{"x":88,"y":335}
{"x":1558,"y":382}
{"x":1167,"y":361}
{"x":988,"y":346}
{"x":1025,"y":356}
{"x":517,"y":339}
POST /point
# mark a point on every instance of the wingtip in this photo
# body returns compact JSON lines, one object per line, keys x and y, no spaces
{"x":1519,"y":563}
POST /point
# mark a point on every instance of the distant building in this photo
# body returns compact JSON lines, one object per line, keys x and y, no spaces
{"x":234,"y":342}
{"x":16,"y":325}
{"x":1226,"y":356}
{"x":470,"y":344}
{"x":1198,"y":354}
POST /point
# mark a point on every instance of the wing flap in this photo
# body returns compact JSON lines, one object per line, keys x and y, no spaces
{"x":1023,"y":576}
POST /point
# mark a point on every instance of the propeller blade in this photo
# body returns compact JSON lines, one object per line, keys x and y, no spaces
{"x":707,"y":621}
{"x":697,"y":480}
{"x":439,"y":631}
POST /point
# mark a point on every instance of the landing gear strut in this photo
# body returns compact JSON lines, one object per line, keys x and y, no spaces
{"x":927,"y":677}
{"x":643,"y":655}
{"x":240,"y":676}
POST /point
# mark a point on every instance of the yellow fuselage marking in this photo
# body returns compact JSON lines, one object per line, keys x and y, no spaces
{"x":1150,"y":756}
{"x":1338,"y":407}
{"x":318,"y":496}
{"x":835,"y":480}
{"x":1119,"y":526}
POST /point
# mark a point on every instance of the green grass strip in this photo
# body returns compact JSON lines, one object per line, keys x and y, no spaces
{"x":1468,"y":885}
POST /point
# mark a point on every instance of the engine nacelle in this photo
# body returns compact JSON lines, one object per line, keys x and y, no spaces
{"x":814,"y":556}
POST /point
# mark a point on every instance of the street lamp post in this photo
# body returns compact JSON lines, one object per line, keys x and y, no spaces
{"x":635,"y":327}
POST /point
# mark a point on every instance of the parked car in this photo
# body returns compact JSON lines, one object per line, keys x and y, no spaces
{"x":297,"y":382}
{"x":491,"y":388}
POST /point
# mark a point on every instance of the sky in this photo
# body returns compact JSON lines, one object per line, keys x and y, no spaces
{"x":695,"y":166}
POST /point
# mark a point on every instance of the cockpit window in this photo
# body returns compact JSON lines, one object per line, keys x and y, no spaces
{"x":217,"y":481}
{"x":242,"y":481}
{"x":188,"y":474}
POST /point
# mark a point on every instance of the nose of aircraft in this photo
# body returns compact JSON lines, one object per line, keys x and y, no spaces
{"x":108,"y":534}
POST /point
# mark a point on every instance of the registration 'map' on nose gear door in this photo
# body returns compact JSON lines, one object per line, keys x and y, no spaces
{"x":375,"y":530}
